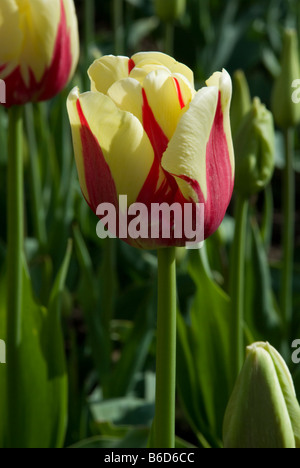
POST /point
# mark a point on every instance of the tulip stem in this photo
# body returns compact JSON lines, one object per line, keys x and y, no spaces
{"x":36,"y":188}
{"x":288,"y":230}
{"x":109,"y":281}
{"x":89,"y":26}
{"x":164,"y":421}
{"x":15,"y":234}
{"x":169,"y":38}
{"x":118,"y":14}
{"x":89,"y":37}
{"x":238,"y":284}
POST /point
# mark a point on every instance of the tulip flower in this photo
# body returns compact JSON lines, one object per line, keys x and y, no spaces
{"x":241,"y":101}
{"x":40,"y":48}
{"x":285,"y":109}
{"x":254,"y":145}
{"x":263,"y":411}
{"x":144,"y":132}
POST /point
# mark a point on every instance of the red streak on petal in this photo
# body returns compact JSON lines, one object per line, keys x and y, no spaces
{"x":131,"y":66}
{"x":168,"y":189}
{"x":180,"y":97}
{"x":160,"y":186}
{"x":155,"y":134}
{"x":99,"y":181}
{"x":219,"y":174}
{"x":55,"y":76}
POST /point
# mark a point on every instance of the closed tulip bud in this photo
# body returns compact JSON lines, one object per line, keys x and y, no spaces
{"x":39,"y":48}
{"x":286,"y":110}
{"x":255,"y":150}
{"x":263,"y":411}
{"x":144,"y":132}
{"x":170,"y":10}
{"x":241,"y":100}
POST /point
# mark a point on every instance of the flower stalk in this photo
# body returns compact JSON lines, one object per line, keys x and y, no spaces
{"x":15,"y":224}
{"x":164,"y":421}
{"x":118,"y":14}
{"x":238,"y":283}
{"x":15,"y":239}
{"x":288,"y":230}
{"x":36,"y":188}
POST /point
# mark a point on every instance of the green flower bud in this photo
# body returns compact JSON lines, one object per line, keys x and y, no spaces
{"x":170,"y":10}
{"x":241,"y":100}
{"x":285,"y":109}
{"x":255,"y":150}
{"x":263,"y":411}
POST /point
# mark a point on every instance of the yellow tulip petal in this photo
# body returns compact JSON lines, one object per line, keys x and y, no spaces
{"x":124,"y":144}
{"x":127,"y":95}
{"x":9,"y":28}
{"x":140,"y":74}
{"x":77,"y":143}
{"x":104,"y":72}
{"x":157,"y":58}
{"x":39,"y":22}
{"x":167,"y":96}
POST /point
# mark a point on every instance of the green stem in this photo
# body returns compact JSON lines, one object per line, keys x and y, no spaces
{"x":118,"y":14}
{"x":15,"y":227}
{"x":36,"y":188}
{"x":164,"y":421}
{"x":89,"y":25}
{"x":288,"y":230}
{"x":238,"y":284}
{"x":109,"y":281}
{"x":169,"y":38}
{"x":15,"y":239}
{"x":89,"y":37}
{"x":268,"y":216}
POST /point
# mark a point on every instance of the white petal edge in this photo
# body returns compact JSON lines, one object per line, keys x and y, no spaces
{"x":186,"y":153}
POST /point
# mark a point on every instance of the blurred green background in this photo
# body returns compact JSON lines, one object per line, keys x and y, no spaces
{"x":108,"y":301}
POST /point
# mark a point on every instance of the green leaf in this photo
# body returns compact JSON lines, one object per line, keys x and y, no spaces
{"x":38,"y":374}
{"x":204,"y":368}
{"x":122,"y":411}
{"x":136,"y":349}
{"x":99,"y":337}
{"x":260,"y":306}
{"x":135,"y":438}
{"x":141,"y":29}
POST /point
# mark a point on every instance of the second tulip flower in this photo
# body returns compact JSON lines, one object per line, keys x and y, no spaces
{"x":39,"y":48}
